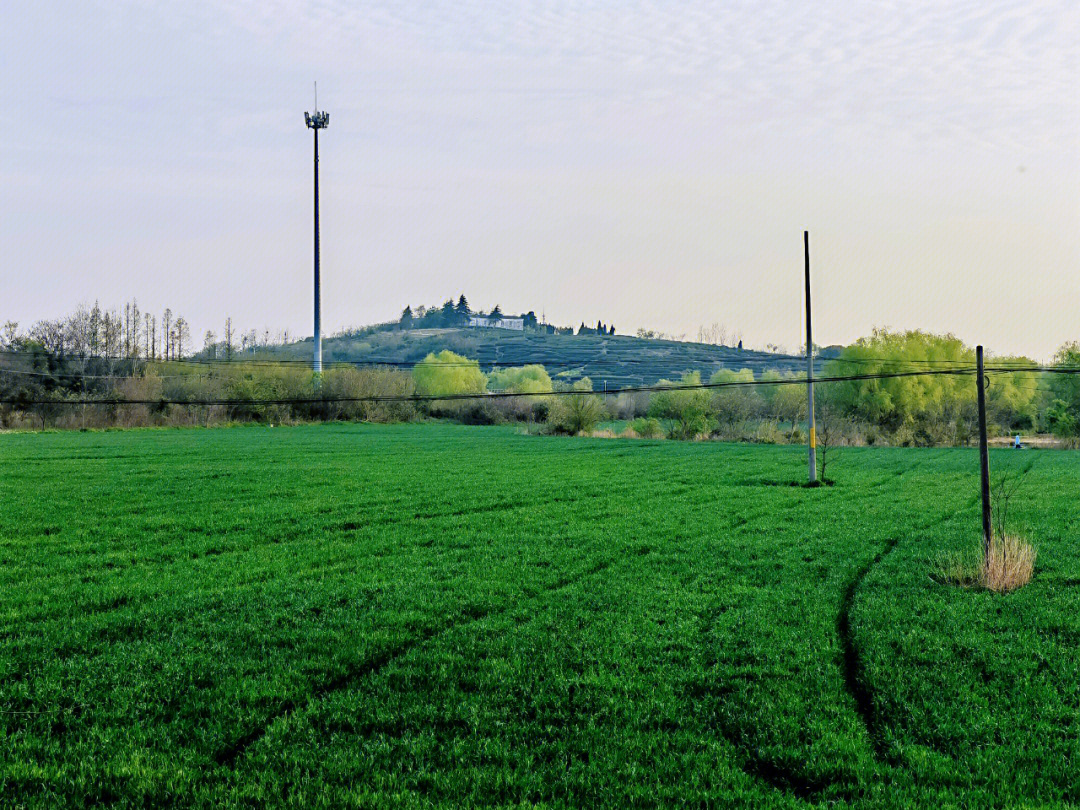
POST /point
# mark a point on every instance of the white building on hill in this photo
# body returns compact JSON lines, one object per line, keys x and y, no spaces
{"x":517,"y":324}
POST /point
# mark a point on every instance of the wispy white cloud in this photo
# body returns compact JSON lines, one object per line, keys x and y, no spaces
{"x":496,"y":144}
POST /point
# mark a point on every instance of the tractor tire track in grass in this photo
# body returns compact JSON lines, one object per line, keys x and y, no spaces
{"x":228,"y":756}
{"x":773,"y":775}
{"x":799,"y":785}
{"x":855,"y":681}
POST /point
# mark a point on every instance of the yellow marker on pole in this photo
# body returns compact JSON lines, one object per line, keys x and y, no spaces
{"x":813,"y":437}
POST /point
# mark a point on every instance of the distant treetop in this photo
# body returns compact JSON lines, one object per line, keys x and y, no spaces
{"x":452,"y":315}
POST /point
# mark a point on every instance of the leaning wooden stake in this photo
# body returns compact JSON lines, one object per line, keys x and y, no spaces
{"x":984,"y":456}
{"x":810,"y":367}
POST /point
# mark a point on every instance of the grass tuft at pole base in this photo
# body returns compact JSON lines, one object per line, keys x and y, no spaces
{"x":1010,"y":565}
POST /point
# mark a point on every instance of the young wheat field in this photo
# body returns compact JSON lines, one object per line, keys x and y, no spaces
{"x":439,"y":615}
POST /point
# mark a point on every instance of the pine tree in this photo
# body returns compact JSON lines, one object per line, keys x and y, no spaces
{"x":448,"y":314}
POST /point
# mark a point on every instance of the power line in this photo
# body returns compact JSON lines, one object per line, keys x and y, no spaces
{"x":544,"y":361}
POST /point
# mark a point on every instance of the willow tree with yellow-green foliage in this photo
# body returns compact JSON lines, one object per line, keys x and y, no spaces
{"x":895,"y":401}
{"x":1014,"y":399}
{"x":531,"y":379}
{"x":1063,"y":411}
{"x":448,"y":374}
{"x":928,"y":402}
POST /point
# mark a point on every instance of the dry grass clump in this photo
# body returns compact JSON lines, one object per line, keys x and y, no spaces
{"x":1010,"y":566}
{"x":604,"y":433}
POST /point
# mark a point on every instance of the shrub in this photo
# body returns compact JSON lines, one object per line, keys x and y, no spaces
{"x":512,"y":409}
{"x":1060,"y":421}
{"x":575,"y":413}
{"x":631,"y":405}
{"x":646,"y":428}
{"x":1065,"y":391}
{"x":690,"y":410}
{"x":736,"y":404}
{"x":478,"y":412}
{"x":357,"y":384}
{"x":903,"y":436}
{"x":769,"y":433}
{"x":784,"y":402}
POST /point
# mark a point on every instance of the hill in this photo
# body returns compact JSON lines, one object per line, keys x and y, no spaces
{"x":617,"y":359}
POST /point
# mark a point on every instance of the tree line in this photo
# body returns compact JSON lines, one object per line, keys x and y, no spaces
{"x":40,"y":371}
{"x":94,"y":333}
{"x":924,"y":410}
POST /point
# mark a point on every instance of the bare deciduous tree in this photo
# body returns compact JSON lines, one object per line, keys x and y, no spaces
{"x":228,"y":338}
{"x":166,"y":333}
{"x":1008,"y":484}
{"x":95,"y":327}
{"x":715,"y":335}
{"x":134,"y":348}
{"x":110,"y":334}
{"x":183,"y":334}
{"x":830,"y":432}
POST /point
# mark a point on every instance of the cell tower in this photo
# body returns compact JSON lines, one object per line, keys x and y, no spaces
{"x":317,"y":120}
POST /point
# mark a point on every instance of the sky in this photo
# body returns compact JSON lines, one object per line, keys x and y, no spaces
{"x":648,"y":164}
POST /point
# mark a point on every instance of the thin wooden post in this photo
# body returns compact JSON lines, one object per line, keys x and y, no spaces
{"x":810,"y":367}
{"x":984,"y":456}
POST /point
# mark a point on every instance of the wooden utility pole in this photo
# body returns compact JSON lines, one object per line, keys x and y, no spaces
{"x":810,"y":366}
{"x":984,"y":456}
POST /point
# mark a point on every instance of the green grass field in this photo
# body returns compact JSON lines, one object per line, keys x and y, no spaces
{"x":435,"y":615}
